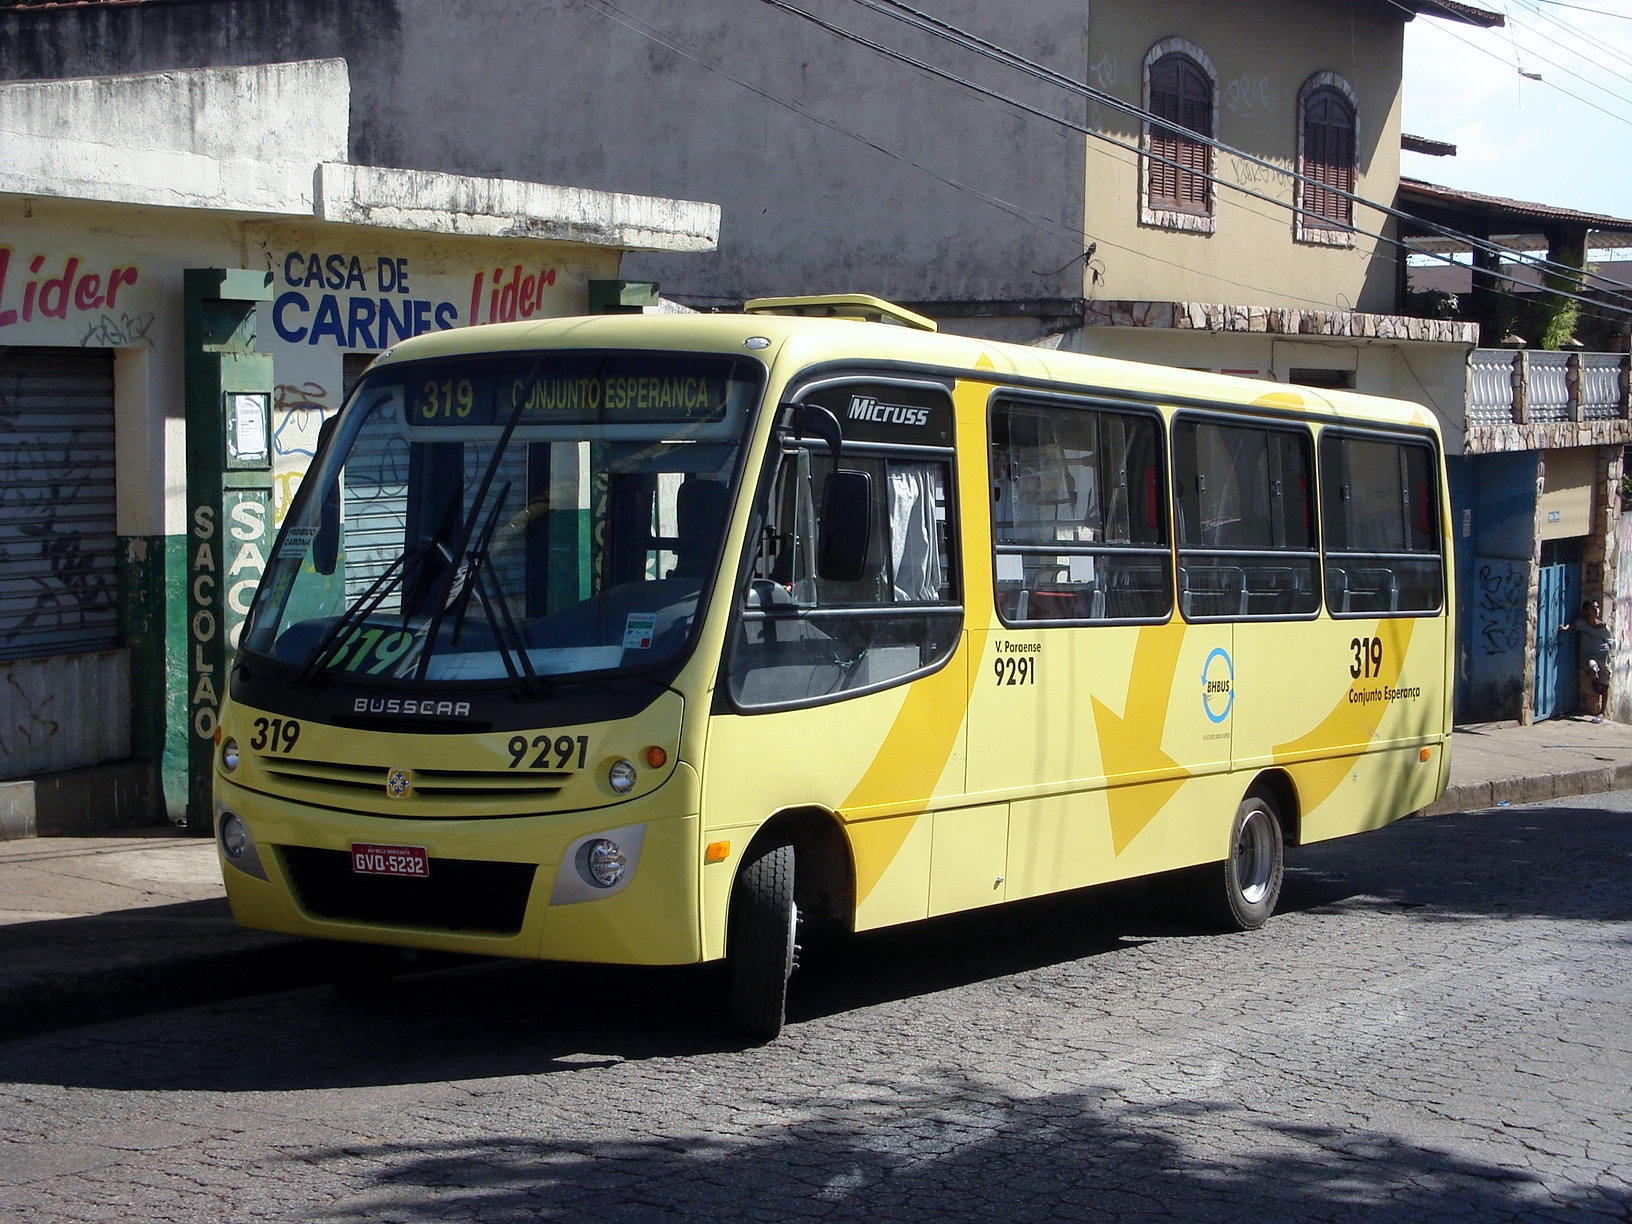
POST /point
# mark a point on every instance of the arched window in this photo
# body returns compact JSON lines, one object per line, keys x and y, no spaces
{"x":1326,"y":160}
{"x":1179,"y":165}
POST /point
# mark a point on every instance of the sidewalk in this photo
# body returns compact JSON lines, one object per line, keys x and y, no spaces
{"x":92,"y":928}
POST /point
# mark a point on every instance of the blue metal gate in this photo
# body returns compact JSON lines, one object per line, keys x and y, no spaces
{"x":1559,"y":603}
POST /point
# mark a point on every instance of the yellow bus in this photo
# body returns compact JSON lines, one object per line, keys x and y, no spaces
{"x":657,"y":640}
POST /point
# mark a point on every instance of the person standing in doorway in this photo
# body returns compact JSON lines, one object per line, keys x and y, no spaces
{"x":1595,"y":643}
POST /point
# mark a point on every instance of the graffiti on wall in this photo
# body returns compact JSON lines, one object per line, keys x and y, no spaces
{"x":28,"y":726}
{"x":1620,"y":622}
{"x":298,"y":413}
{"x":126,"y":331}
{"x":37,"y":478}
{"x":1501,"y":595}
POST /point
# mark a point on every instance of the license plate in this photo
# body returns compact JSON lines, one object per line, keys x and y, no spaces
{"x":372,"y":859}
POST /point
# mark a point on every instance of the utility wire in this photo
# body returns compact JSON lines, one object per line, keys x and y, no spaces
{"x":1581,"y":8}
{"x":1071,"y":234}
{"x":713,"y":64}
{"x":1551,"y":84}
{"x":1592,"y":42}
{"x":930,"y":24}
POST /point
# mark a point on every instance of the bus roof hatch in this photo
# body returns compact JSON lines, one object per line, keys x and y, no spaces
{"x":842,"y":306}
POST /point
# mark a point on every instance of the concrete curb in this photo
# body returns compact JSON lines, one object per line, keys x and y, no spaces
{"x":75,"y":991}
{"x":1472,"y":797}
{"x":49,"y":1001}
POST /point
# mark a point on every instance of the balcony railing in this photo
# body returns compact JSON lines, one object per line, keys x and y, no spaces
{"x":1532,"y":386}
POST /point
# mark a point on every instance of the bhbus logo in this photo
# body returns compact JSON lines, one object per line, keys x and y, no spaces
{"x":867,"y":408}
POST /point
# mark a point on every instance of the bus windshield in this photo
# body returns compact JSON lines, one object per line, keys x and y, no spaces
{"x":509,"y":517}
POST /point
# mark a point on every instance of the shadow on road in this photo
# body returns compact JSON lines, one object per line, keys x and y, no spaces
{"x":492,"y":1019}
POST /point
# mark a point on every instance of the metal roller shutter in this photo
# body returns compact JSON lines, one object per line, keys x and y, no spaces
{"x":58,"y":542}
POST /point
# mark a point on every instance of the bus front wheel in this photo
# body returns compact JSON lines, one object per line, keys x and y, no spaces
{"x":1240,"y":893}
{"x":760,"y":947}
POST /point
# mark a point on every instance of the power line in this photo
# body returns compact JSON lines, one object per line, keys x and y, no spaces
{"x":925,"y":22}
{"x":1010,"y":59}
{"x":1550,"y":84}
{"x":1584,"y":9}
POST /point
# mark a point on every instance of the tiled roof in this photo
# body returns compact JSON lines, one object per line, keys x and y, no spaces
{"x":1521,"y":224}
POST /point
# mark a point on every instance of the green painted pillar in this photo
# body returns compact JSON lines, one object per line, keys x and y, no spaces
{"x":229,"y":495}
{"x":621,"y":297}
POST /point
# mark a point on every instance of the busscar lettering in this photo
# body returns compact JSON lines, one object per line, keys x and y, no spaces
{"x":426,"y":708}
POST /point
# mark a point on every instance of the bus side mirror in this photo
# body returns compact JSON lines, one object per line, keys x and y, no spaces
{"x":846,"y":526}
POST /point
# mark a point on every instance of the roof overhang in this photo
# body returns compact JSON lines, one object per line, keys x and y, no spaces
{"x":1518,"y":225}
{"x":1450,"y":10}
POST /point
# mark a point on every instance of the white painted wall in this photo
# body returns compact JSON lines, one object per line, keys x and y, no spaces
{"x":246,"y":139}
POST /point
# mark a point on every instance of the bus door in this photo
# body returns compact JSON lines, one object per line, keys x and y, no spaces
{"x":842,"y":692}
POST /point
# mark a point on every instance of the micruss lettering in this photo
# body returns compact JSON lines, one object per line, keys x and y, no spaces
{"x":866,"y":408}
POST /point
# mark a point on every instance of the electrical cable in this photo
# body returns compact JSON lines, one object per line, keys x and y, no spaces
{"x":930,"y":24}
{"x":945,"y":30}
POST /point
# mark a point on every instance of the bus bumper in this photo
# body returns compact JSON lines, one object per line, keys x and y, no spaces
{"x":514,"y":887}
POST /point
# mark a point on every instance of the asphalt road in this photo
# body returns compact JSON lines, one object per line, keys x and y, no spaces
{"x":1436,"y":1026}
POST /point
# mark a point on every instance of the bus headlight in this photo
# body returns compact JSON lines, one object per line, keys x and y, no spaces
{"x":602,"y":862}
{"x":621,"y":777}
{"x":238,"y":844}
{"x":229,"y":755}
{"x":598,"y":865}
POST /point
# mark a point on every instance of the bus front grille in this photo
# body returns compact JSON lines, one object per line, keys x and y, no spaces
{"x":338,"y":777}
{"x":456,"y":895}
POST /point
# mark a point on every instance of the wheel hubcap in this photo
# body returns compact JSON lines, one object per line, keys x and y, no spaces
{"x":1254,"y":856}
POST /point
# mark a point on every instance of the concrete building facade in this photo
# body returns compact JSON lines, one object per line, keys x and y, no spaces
{"x":993,"y":167}
{"x":111,"y":189}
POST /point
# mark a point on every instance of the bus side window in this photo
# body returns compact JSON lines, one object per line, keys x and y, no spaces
{"x":805,"y":636}
{"x":1077,"y":514}
{"x":1246,"y":538}
{"x":1379,"y":516}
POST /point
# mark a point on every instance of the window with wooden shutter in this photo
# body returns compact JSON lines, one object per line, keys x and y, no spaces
{"x":1179,"y":167}
{"x":1328,"y":160}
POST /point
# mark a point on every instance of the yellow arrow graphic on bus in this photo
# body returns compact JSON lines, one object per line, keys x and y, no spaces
{"x":1130,"y":743}
{"x":909,"y":763}
{"x":1317,"y":779}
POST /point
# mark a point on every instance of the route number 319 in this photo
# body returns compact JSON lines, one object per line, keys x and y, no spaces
{"x":1368,"y":657}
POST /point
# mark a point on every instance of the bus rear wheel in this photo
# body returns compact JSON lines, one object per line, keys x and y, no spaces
{"x":1239,"y":894}
{"x":760,"y":947}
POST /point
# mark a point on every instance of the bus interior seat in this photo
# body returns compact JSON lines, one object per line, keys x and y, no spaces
{"x":699,"y":510}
